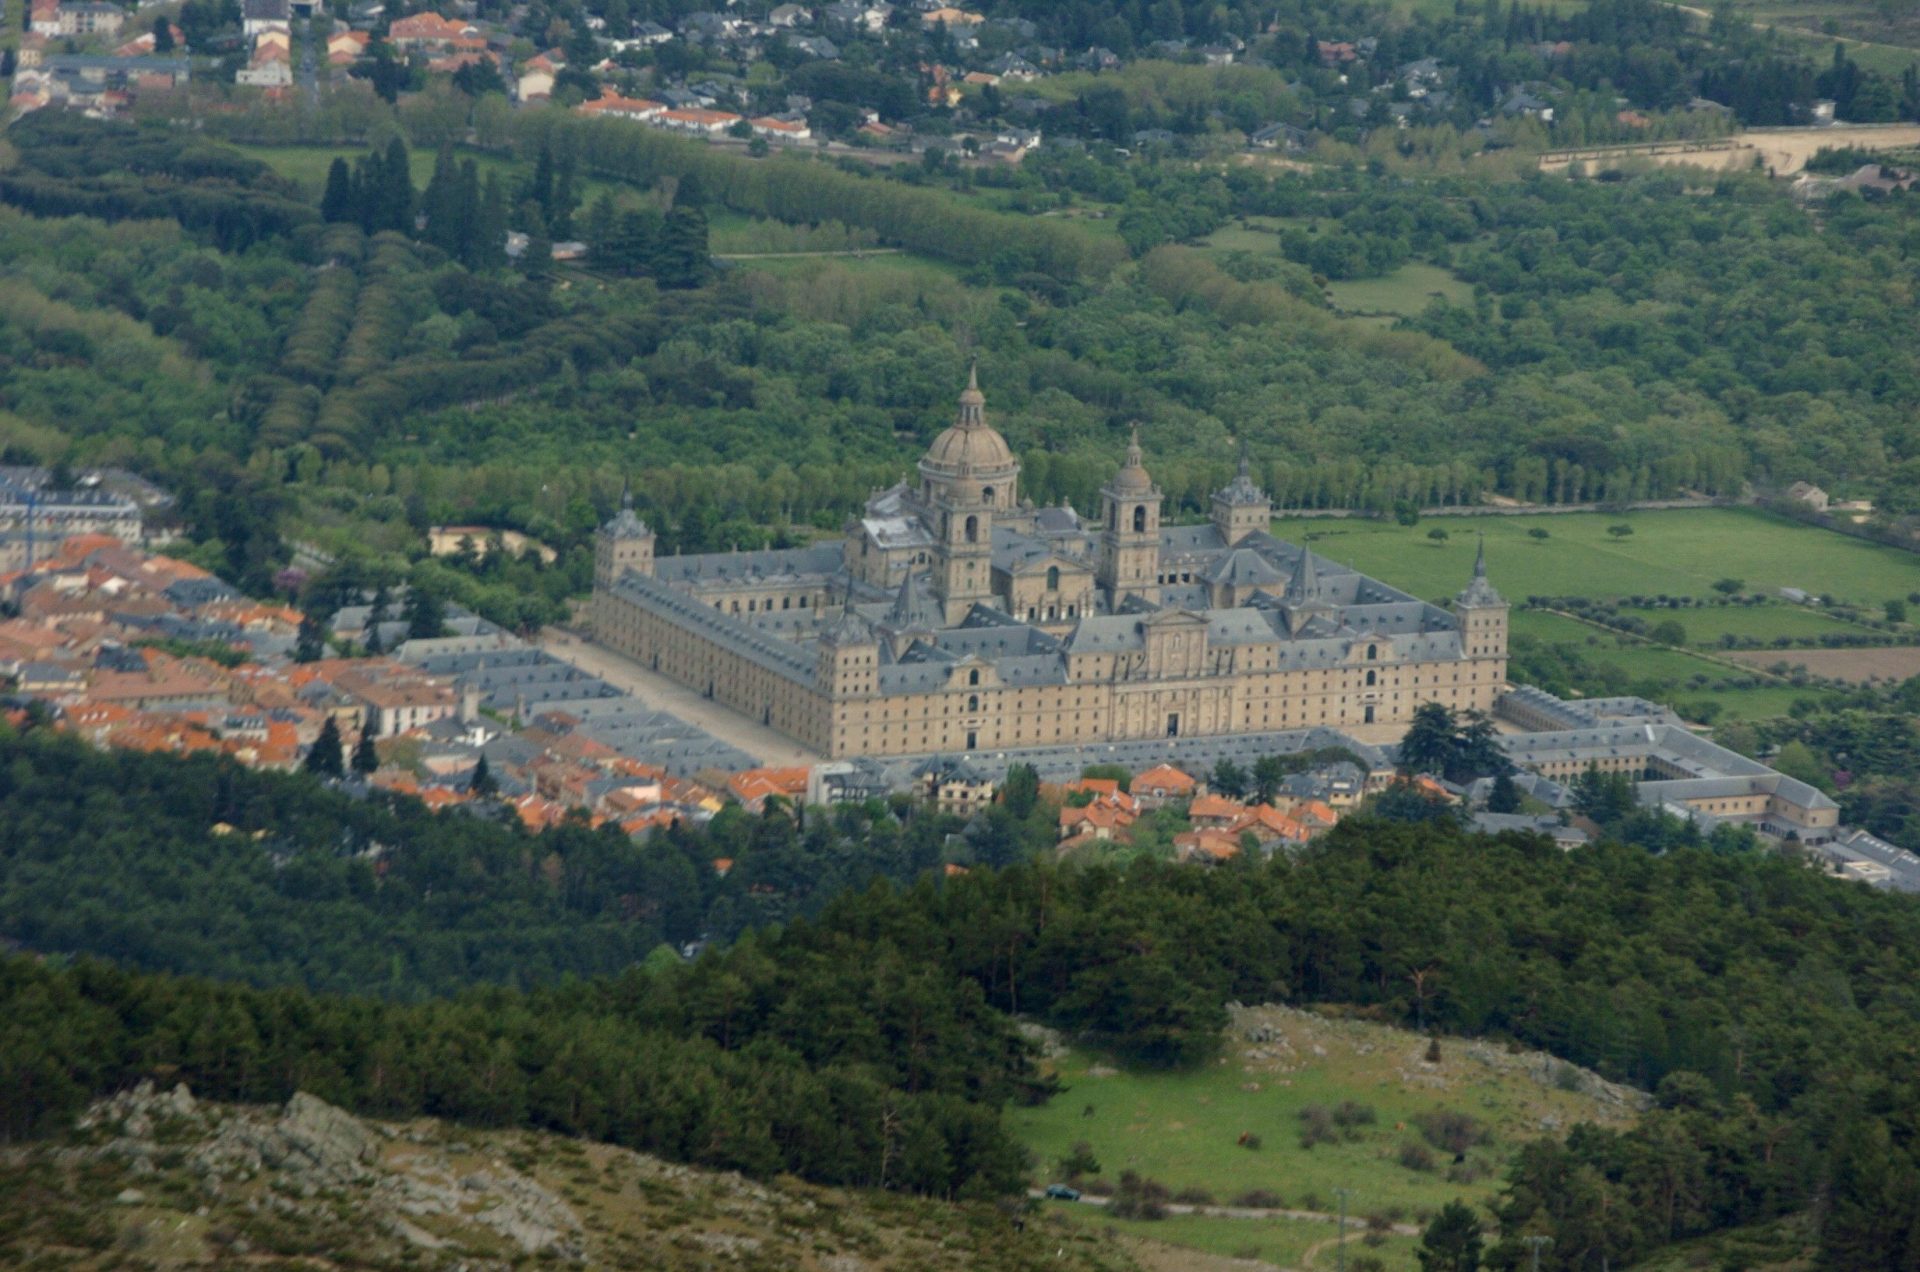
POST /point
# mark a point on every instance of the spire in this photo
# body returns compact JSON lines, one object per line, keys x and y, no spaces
{"x":1246,"y":470}
{"x":1305,"y":584}
{"x":1133,"y":448}
{"x":1480,"y":590}
{"x":626,"y":492}
{"x":973,"y":403}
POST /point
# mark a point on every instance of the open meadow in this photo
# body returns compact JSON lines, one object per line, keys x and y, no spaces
{"x":1300,"y":1106}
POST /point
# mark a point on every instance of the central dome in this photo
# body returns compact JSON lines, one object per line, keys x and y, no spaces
{"x":972,"y":447}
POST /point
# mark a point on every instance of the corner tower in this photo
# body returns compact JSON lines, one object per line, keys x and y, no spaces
{"x":624,"y":543}
{"x":1241,"y":508}
{"x":968,"y":477}
{"x":1130,"y":532}
{"x":1483,"y":630}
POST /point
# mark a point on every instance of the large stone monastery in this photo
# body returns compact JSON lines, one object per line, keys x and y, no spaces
{"x":957,"y":617}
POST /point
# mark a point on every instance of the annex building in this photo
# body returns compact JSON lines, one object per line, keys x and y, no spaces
{"x":955,"y":616}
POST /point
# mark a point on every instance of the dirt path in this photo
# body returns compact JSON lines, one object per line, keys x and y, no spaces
{"x":1244,"y":1212}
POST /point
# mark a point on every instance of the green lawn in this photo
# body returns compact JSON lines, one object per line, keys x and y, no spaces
{"x":1406,"y":291}
{"x":1678,"y":553}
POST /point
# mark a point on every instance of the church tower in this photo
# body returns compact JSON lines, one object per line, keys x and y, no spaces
{"x":968,"y":477}
{"x":624,"y":543}
{"x":1130,"y":532}
{"x":1483,"y":626}
{"x":1241,"y":508}
{"x":849,"y":658}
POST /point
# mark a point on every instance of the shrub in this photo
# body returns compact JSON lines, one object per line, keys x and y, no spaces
{"x":1194,"y":1197}
{"x":1351,"y":1114}
{"x":1316,"y":1126}
{"x":1416,"y":1156}
{"x":1260,"y":1199}
{"x":1250,"y":1141}
{"x":1468,"y":1172}
{"x":1080,"y":1161}
{"x":1451,"y":1131}
{"x":1139,"y":1198}
{"x":1098,"y":1188}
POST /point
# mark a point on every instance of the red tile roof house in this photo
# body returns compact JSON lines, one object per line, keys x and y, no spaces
{"x":1163,"y":785}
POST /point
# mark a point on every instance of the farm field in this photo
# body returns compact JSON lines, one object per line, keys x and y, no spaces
{"x":1676,"y":553}
{"x":1184,"y":1129}
{"x":1705,"y":626}
{"x":1673,"y":676}
{"x":1855,"y":665}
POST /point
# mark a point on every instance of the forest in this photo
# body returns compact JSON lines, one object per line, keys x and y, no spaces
{"x":870,"y":1042}
{"x":1625,"y":339}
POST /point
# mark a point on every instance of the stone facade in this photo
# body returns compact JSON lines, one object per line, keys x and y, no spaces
{"x":957,"y":617}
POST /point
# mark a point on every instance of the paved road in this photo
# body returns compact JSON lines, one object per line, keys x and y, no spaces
{"x":664,"y":694}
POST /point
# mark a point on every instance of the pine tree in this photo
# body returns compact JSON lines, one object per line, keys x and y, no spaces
{"x":1451,"y":1242}
{"x":162,"y":35}
{"x":324,"y":757}
{"x":1504,"y":797}
{"x":338,"y":203}
{"x":365,"y":758}
{"x":681,"y":259}
{"x":483,"y":784}
{"x":311,"y":644}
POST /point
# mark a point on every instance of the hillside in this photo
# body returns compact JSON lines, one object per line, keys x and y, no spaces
{"x":153,"y":1178}
{"x":1301,"y":1105}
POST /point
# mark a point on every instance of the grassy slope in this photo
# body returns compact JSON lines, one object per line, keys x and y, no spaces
{"x":1183,"y":1128}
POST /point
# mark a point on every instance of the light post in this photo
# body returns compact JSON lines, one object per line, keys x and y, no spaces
{"x":1536,"y":1244}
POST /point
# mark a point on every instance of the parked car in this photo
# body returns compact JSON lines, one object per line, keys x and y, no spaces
{"x":1060,"y":1192}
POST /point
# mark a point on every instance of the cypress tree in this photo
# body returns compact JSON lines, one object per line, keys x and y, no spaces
{"x":565,"y":202}
{"x":393,"y":197}
{"x":162,"y":35}
{"x":441,"y":203}
{"x":490,"y":227}
{"x":337,"y":204}
{"x":483,"y":783}
{"x":467,"y":214}
{"x":540,"y":188}
{"x":365,"y":758}
{"x":324,"y":757}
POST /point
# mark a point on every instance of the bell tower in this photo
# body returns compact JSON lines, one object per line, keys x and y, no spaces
{"x":1482,"y":613}
{"x":967,"y":478}
{"x":1130,"y":532}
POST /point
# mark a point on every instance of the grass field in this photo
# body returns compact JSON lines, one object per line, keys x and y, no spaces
{"x":1677,"y":553}
{"x":1287,"y":1243}
{"x":307,"y":166}
{"x":1406,"y":291}
{"x":1183,"y":1129}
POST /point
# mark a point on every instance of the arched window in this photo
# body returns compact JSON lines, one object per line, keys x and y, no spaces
{"x":973,"y":529}
{"x":973,"y":703}
{"x":973,"y":677}
{"x":1053,"y":578}
{"x":1373,"y":652}
{"x":1372,"y":678}
{"x":1139,"y":518}
{"x":986,"y":496}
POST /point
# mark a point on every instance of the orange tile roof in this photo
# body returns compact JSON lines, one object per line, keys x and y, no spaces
{"x":1211,"y":805}
{"x":1164,"y":777}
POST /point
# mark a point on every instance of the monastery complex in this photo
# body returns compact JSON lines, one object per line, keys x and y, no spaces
{"x":955,"y":616}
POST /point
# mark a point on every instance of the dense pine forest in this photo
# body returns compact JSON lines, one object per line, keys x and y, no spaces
{"x":1767,"y":1007}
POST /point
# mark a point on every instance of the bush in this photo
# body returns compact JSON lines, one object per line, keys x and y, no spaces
{"x":1351,"y":1114}
{"x":1416,"y":1156}
{"x":1260,"y":1199}
{"x":1250,"y":1141}
{"x":1139,"y":1198}
{"x":1080,"y":1161}
{"x":1098,"y":1188}
{"x":1468,"y":1172}
{"x":1317,"y":1127}
{"x":1451,"y":1131}
{"x":1194,"y":1197}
